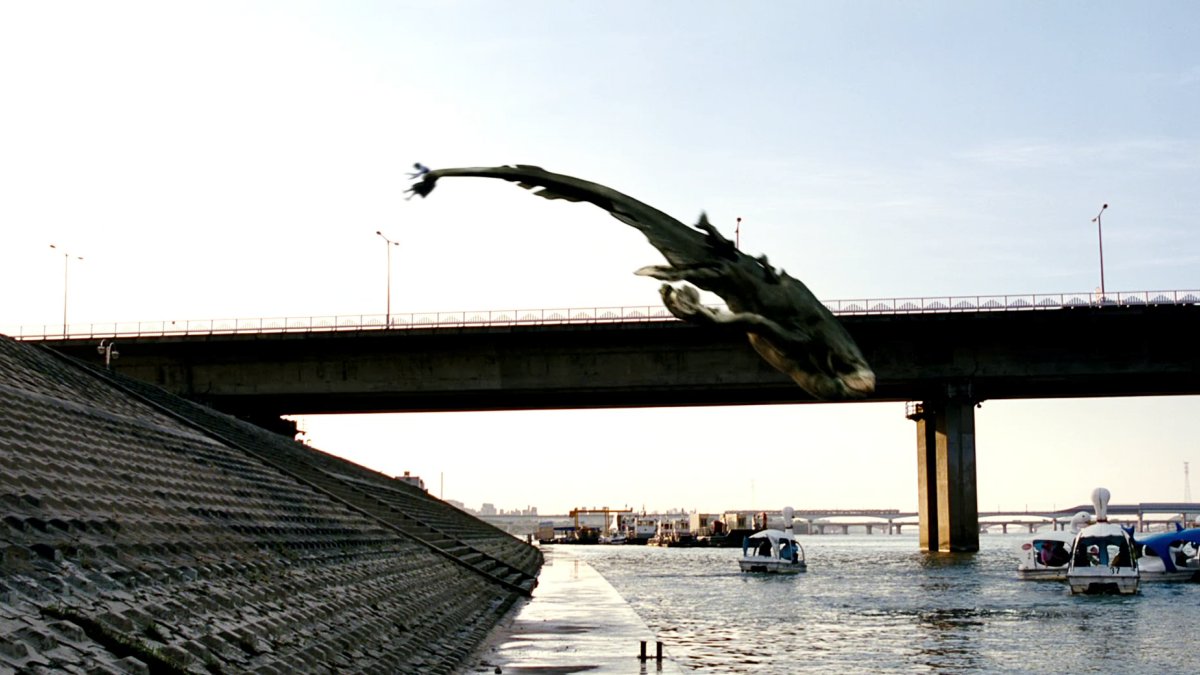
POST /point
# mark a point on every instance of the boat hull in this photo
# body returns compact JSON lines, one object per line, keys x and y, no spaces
{"x":1043,"y":574}
{"x":732,"y":539}
{"x":1176,"y":576}
{"x":766,"y":566}
{"x":1092,"y":584}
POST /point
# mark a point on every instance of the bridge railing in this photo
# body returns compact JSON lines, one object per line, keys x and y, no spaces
{"x":587,"y":315}
{"x":1002,"y":303}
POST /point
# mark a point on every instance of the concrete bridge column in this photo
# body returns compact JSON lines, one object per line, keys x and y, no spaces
{"x":947,"y":502}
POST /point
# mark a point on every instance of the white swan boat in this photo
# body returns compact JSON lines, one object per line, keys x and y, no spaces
{"x":774,"y":551}
{"x":1048,"y":554}
{"x":1102,"y":559}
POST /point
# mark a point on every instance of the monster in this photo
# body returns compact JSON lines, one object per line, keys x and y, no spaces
{"x":786,"y":324}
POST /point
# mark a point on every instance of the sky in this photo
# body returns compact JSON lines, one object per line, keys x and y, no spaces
{"x":235,"y":160}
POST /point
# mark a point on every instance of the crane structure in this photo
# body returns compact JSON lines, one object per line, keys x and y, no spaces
{"x":575,"y":513}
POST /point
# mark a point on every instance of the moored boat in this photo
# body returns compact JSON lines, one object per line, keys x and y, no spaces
{"x":773,"y":551}
{"x":673,"y":532}
{"x":1102,"y":559}
{"x":642,"y":531}
{"x":1170,"y":556}
{"x":1047,"y":555}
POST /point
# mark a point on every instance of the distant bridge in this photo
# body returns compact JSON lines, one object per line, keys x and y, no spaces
{"x":893,"y":521}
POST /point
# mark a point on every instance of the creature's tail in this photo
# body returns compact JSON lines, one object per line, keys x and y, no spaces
{"x":680,"y":244}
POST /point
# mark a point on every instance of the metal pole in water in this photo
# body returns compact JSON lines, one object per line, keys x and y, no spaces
{"x":658,"y":652}
{"x":642,"y":656}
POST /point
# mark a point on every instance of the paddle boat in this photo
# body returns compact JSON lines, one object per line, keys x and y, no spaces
{"x":1048,"y":554}
{"x":1170,"y":556}
{"x":773,"y":551}
{"x":1102,"y":559}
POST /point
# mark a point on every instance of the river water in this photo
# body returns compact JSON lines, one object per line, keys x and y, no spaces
{"x":877,"y":604}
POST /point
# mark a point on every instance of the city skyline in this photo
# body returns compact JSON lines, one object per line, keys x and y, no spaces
{"x":238,"y":160}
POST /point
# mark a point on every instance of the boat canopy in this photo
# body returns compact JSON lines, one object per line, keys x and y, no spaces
{"x":1168,"y":546}
{"x":773,"y":535}
{"x":1102,"y":545}
{"x":773,"y":543}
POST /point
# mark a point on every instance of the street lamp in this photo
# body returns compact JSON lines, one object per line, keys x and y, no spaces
{"x":66,"y":265}
{"x":390,"y":244}
{"x":1100,"y":237}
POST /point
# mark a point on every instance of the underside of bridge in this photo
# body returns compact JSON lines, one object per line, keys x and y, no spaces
{"x":947,"y":501}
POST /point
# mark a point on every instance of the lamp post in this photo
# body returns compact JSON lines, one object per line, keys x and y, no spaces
{"x":1100,"y":237}
{"x":66,"y":267}
{"x":390,"y":244}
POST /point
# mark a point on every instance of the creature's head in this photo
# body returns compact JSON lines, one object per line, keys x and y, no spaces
{"x":840,"y":373}
{"x":830,"y":371}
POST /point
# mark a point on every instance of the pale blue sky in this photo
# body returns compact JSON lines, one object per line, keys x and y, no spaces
{"x":234,"y":159}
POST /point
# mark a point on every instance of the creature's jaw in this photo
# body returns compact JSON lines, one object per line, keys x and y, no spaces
{"x":823,"y":387}
{"x":858,"y":384}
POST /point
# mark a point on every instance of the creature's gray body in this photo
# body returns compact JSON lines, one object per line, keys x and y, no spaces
{"x":787,"y":325}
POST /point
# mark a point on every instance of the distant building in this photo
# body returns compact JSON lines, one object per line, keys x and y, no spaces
{"x":412,"y":480}
{"x":488,"y":509}
{"x":706,"y":524}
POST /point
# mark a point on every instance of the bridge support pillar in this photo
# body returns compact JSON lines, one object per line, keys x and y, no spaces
{"x":947,"y":503}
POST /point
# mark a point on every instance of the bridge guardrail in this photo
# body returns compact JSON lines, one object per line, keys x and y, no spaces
{"x":588,"y":315}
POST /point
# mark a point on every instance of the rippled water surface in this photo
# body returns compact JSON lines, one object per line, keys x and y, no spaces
{"x":877,"y":604}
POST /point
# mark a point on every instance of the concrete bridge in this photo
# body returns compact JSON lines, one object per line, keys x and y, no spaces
{"x":943,"y":359}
